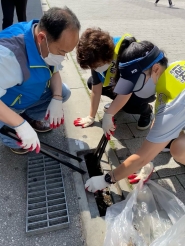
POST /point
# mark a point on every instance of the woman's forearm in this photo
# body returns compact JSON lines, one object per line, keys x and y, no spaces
{"x":8,"y":116}
{"x":95,"y":99}
{"x":131,"y":165}
{"x":118,"y":103}
{"x":147,"y":152}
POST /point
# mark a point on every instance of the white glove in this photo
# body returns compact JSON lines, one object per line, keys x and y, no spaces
{"x":96,"y":183}
{"x":84,"y":122}
{"x":55,"y":113}
{"x":108,"y":125}
{"x":28,"y":136}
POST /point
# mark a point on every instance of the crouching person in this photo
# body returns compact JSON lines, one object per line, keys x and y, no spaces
{"x":100,"y":52}
{"x":31,"y":87}
{"x":150,"y":65}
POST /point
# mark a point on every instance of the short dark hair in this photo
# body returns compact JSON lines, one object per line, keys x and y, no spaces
{"x":94,"y":46}
{"x":130,"y":50}
{"x":56,"y":20}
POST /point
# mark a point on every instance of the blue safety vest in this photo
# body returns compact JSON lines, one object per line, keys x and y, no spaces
{"x":36,"y":74}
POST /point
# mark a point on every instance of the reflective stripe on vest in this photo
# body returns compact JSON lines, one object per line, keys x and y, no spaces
{"x":111,"y":72}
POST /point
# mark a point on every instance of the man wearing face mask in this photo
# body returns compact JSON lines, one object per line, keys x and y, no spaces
{"x":98,"y":51}
{"x":31,"y":87}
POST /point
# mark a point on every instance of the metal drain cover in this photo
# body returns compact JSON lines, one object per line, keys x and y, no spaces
{"x":46,"y":201}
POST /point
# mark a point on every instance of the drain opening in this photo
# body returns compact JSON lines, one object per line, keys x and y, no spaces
{"x":103,"y":198}
{"x":38,"y":225}
{"x":37,"y":212}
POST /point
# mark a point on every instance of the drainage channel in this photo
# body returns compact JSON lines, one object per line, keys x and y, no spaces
{"x":101,"y":200}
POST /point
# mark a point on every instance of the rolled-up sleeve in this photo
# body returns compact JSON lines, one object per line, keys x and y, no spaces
{"x":10,"y":70}
{"x":57,"y":68}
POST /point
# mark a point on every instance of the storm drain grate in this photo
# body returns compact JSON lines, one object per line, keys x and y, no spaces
{"x":46,"y":201}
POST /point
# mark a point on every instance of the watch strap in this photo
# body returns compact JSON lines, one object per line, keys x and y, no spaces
{"x":108,"y":179}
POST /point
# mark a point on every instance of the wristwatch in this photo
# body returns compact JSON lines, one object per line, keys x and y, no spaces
{"x":108,"y":179}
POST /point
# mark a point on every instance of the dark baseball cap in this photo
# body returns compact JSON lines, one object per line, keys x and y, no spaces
{"x":132,"y":77}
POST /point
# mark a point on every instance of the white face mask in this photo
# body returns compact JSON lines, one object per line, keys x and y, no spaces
{"x":51,"y":59}
{"x":102,"y":68}
{"x":54,"y":60}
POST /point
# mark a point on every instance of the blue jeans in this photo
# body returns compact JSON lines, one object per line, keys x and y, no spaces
{"x":36,"y":111}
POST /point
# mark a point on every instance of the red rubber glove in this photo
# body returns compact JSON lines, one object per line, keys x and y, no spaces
{"x":28,"y":137}
{"x":55,"y":113}
{"x":84,"y":122}
{"x":108,"y":125}
{"x":144,"y":174}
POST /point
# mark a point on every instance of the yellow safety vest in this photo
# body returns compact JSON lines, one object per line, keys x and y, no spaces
{"x":111,"y":72}
{"x":171,"y":83}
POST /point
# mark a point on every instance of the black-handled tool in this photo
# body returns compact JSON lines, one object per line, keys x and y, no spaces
{"x":93,"y":159}
{"x":98,"y":153}
{"x":9,"y":132}
{"x":101,"y":149}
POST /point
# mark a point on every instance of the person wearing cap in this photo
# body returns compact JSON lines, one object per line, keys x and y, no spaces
{"x":142,"y":63}
{"x":127,"y":89}
{"x":99,"y":51}
{"x":31,"y":87}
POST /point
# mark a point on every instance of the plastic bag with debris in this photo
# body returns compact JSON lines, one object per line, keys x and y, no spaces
{"x":150,"y":216}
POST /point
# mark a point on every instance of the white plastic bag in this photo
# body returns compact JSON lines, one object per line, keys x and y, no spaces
{"x":175,"y":236}
{"x":143,"y":218}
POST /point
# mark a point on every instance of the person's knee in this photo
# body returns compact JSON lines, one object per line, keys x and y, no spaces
{"x":66,"y":92}
{"x":177,"y":150}
{"x":67,"y":95}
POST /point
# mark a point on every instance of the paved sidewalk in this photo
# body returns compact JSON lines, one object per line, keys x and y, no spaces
{"x":164,"y":27}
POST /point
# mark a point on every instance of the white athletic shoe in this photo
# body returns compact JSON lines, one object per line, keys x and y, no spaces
{"x":171,"y":6}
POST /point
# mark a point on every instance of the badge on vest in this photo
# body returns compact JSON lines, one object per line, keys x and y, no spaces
{"x":179,"y":72}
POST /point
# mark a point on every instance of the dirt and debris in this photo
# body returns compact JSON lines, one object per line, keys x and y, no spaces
{"x":103,"y":200}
